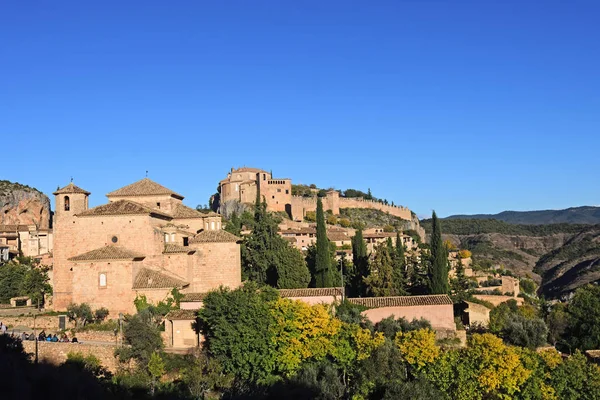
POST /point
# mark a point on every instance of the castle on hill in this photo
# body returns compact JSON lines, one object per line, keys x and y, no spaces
{"x":144,"y":241}
{"x":241,"y":186}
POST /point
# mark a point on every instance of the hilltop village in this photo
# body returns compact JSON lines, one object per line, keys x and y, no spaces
{"x":302,"y":273}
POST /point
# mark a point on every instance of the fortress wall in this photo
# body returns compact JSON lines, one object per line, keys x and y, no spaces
{"x":401,"y":212}
{"x":300,"y":205}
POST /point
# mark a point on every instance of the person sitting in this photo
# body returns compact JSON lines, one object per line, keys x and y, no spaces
{"x":65,"y":339}
{"x":49,"y":338}
{"x":55,"y":338}
{"x":24,"y":336}
{"x":42,"y":336}
{"x":74,"y":340}
{"x":32,"y":336}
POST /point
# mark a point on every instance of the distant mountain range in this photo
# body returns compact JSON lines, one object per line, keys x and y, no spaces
{"x":574,"y":215}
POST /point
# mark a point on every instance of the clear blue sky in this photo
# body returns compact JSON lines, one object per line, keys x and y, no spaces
{"x":461,"y":107}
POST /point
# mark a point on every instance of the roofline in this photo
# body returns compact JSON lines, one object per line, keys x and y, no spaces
{"x":106,"y":259}
{"x":175,"y":195}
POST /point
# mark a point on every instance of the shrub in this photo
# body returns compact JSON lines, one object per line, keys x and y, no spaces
{"x":331,"y":219}
{"x":345,"y":222}
{"x":80,"y":314}
{"x":101,"y":314}
{"x":310,"y":216}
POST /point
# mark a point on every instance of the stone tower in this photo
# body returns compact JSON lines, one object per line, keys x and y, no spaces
{"x":69,"y":201}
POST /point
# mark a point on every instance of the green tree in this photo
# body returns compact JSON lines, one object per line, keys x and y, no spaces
{"x":399,"y":261}
{"x":460,"y":285}
{"x":11,"y":279}
{"x":323,"y":267}
{"x":234,"y":225}
{"x":439,"y":259}
{"x":236,"y":325}
{"x":360,"y":262}
{"x":80,"y":314}
{"x":584,"y":315}
{"x":143,"y":338}
{"x":156,"y":368}
{"x":525,"y":332}
{"x":380,"y":281}
{"x":558,"y":322}
{"x":268,"y":259}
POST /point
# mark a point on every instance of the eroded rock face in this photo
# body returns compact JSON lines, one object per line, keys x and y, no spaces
{"x":22,"y":205}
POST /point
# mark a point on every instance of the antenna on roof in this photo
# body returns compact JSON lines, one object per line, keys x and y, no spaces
{"x":146,"y":173}
{"x":71,"y":179}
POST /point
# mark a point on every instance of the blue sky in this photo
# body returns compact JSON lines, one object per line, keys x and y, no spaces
{"x":461,"y":107}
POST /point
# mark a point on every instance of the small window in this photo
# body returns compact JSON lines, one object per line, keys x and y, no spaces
{"x":172,"y":237}
{"x":273,"y":196}
{"x":102,"y":280}
{"x":67,"y":203}
{"x":278,"y":190}
{"x":212,"y":225}
{"x":158,"y":205}
{"x":185,"y":241}
{"x":237,"y":187}
{"x":287,"y":191}
{"x":264,"y":177}
{"x":114,"y":239}
{"x":166,"y":238}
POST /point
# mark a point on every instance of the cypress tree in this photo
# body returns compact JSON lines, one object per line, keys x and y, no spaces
{"x":399,"y":258}
{"x":323,"y":276}
{"x":438,"y":273}
{"x":360,"y":261}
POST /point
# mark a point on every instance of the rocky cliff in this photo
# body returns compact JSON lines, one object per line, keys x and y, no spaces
{"x":23,"y":205}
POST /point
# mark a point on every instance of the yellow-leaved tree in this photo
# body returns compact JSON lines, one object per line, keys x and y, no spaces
{"x":418,"y":347}
{"x":301,"y":332}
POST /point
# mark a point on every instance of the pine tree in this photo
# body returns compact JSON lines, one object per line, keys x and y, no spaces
{"x":360,"y":261}
{"x":323,"y":275}
{"x":380,"y":281}
{"x":438,"y":273}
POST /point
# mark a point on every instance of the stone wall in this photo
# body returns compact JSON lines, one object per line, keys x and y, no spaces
{"x":42,"y":322}
{"x":56,"y":353}
{"x":441,"y":317}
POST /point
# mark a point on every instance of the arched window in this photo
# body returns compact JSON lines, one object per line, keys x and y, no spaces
{"x":67,"y":203}
{"x":172,"y":237}
{"x":166,"y":238}
{"x":102,"y":280}
{"x":212,"y":225}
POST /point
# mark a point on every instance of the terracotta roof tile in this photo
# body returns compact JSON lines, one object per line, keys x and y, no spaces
{"x":144,"y":187}
{"x":121,"y":207}
{"x":593,"y":353}
{"x":71,"y":188}
{"x":151,"y":279}
{"x":183,"y":211}
{"x":402,"y":301}
{"x":216,"y":236}
{"x":337,"y":236}
{"x":194,"y":297}
{"x":14,"y":228}
{"x":172,"y":248}
{"x":311,"y":292}
{"x":181,"y":315}
{"x":379,"y":235}
{"x":107,"y":253}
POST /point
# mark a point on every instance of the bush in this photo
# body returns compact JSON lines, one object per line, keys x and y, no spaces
{"x":331,"y":219}
{"x":101,"y":314}
{"x":310,"y":216}
{"x":345,"y":222}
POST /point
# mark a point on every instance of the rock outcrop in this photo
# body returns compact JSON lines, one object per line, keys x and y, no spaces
{"x":23,"y":205}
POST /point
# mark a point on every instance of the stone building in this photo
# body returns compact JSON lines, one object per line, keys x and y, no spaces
{"x":241,"y":186}
{"x":28,"y":240}
{"x":144,"y":241}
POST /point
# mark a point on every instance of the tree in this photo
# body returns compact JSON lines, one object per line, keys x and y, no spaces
{"x":399,"y":261}
{"x":323,"y":267}
{"x":558,"y":321}
{"x":584,"y":315}
{"x":156,"y":368}
{"x":525,"y":332}
{"x":236,"y":325}
{"x":80,"y":314}
{"x":11,"y":278}
{"x":143,"y":338}
{"x":360,"y":261}
{"x":234,"y":226}
{"x":439,"y":260}
{"x":460,"y":285}
{"x":380,"y":281}
{"x":268,"y":259}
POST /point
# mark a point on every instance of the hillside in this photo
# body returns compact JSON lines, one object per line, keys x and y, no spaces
{"x":573,"y":215}
{"x":23,"y":205}
{"x":562,"y":257}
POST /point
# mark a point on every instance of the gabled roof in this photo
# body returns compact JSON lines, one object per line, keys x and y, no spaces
{"x":183,"y":211}
{"x":193,"y":297}
{"x":71,"y":188}
{"x":311,"y":292}
{"x":151,"y":279}
{"x":181,"y":315}
{"x":144,"y":187}
{"x":172,"y":248}
{"x":216,"y":236}
{"x":121,"y":207}
{"x":108,"y":253}
{"x":337,"y":236}
{"x":403,"y":301}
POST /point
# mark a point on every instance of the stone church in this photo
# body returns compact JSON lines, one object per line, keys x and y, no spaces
{"x":144,"y":241}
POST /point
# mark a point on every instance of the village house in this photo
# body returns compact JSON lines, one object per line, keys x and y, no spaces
{"x":27,"y":240}
{"x":144,"y":241}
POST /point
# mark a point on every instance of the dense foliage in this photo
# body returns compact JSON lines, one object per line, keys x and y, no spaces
{"x":438,"y":270}
{"x":323,"y":265}
{"x":479,"y":226}
{"x":22,"y":277}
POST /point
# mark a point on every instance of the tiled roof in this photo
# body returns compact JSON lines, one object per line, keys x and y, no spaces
{"x":403,"y":301}
{"x":121,"y":207}
{"x":144,"y":187}
{"x":210,"y":214}
{"x":107,"y":253}
{"x":14,"y":228}
{"x":183,"y":211}
{"x":71,"y":188}
{"x":150,"y":279}
{"x":300,"y":231}
{"x":171,"y":248}
{"x":181,"y":315}
{"x":193,"y":296}
{"x":337,"y":236}
{"x":248,"y":169}
{"x":593,"y":353}
{"x":379,"y":235}
{"x":216,"y":236}
{"x":311,"y":292}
